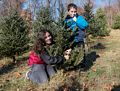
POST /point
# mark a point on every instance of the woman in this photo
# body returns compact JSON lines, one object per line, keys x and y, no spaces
{"x":40,"y":61}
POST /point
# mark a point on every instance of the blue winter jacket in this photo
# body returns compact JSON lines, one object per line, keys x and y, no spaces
{"x":78,"y":27}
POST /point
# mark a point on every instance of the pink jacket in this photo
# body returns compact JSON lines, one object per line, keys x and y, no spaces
{"x":34,"y":59}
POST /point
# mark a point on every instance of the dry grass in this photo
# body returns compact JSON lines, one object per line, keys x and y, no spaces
{"x":105,"y":73}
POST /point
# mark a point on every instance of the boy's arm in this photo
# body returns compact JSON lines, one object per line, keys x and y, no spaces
{"x":81,"y":22}
{"x":68,"y":23}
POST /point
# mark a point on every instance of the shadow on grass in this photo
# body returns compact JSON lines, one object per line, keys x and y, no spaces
{"x":89,"y":60}
{"x":7,"y":68}
{"x":116,"y":88}
{"x":85,"y":64}
{"x":98,"y":46}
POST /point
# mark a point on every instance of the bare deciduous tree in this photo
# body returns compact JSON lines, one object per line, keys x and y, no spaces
{"x":48,"y":4}
{"x":7,"y":5}
{"x":118,"y":1}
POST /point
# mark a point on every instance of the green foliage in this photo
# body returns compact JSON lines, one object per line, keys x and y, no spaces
{"x":44,"y":21}
{"x":100,"y":28}
{"x":89,"y":17}
{"x":97,"y":22}
{"x":94,"y":74}
{"x":116,"y":24}
{"x":13,"y":35}
{"x":76,"y":57}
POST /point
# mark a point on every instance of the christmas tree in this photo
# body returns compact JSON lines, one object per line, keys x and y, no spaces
{"x":13,"y":35}
{"x":88,"y":8}
{"x":116,"y":24}
{"x":100,"y":28}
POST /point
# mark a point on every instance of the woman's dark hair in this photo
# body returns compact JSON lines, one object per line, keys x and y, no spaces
{"x":71,"y":5}
{"x":39,"y":43}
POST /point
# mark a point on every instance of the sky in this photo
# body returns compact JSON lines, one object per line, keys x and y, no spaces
{"x":98,"y":3}
{"x":1,"y":3}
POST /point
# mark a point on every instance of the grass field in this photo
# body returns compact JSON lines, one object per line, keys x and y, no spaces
{"x":102,"y":71}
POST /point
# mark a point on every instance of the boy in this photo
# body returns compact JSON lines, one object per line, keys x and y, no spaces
{"x":77,"y":25}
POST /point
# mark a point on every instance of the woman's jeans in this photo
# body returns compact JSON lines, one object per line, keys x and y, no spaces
{"x":40,"y":73}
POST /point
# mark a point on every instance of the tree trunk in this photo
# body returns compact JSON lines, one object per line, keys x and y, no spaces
{"x":14,"y":59}
{"x":48,"y":4}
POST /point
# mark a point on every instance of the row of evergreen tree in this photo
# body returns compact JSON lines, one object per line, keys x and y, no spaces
{"x":15,"y":37}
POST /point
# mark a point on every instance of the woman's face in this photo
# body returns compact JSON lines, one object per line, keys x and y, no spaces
{"x":48,"y":38}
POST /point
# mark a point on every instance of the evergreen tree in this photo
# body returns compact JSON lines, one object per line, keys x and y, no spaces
{"x":44,"y":21}
{"x":116,"y":24}
{"x":100,"y":28}
{"x":13,"y":35}
{"x":88,"y":8}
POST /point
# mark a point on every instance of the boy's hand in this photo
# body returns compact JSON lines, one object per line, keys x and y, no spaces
{"x":74,"y":18}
